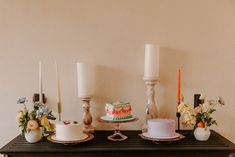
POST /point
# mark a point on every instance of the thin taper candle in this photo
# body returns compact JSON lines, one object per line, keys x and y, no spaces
{"x":58,"y":91}
{"x":40,"y":82}
{"x":178,"y":94}
{"x":178,"y":101}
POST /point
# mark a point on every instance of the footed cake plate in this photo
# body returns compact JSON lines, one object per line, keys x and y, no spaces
{"x":117,"y":135}
{"x":177,"y":137}
{"x":84,"y":138}
{"x":105,"y":118}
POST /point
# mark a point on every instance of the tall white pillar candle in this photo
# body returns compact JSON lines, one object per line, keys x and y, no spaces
{"x":152,"y":61}
{"x":86,"y":79}
{"x":40,"y":81}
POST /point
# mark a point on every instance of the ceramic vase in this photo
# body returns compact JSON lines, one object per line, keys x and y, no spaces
{"x":202,"y":134}
{"x":33,"y":136}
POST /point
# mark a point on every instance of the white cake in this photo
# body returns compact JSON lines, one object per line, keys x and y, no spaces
{"x":161,"y":128}
{"x":68,"y":130}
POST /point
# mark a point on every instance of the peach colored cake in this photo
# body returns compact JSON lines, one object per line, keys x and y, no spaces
{"x":118,"y":111}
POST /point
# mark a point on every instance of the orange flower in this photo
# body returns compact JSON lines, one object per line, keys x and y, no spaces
{"x":32,"y":125}
{"x":200,"y":125}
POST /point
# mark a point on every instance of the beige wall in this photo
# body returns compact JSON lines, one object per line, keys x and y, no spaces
{"x":197,"y":35}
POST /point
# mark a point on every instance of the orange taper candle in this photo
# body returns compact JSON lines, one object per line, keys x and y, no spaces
{"x":178,"y":94}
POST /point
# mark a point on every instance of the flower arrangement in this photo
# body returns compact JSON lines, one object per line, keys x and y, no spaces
{"x":200,"y":116}
{"x":40,"y":116}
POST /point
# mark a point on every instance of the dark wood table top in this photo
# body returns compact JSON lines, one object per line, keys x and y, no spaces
{"x":216,"y":144}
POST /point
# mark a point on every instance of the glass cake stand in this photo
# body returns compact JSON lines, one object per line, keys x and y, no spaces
{"x":117,"y":135}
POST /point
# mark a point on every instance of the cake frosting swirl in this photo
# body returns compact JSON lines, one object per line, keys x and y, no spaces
{"x":118,"y":111}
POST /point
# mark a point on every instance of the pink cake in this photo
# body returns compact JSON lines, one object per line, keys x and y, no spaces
{"x":118,"y":111}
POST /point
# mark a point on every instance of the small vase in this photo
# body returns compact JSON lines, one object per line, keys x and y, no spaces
{"x":202,"y":134}
{"x":33,"y":136}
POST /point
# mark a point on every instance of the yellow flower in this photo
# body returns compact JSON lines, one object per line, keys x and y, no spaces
{"x":51,"y":127}
{"x":25,"y":111}
{"x":32,"y":125}
{"x":20,"y":111}
{"x":19,"y":116}
{"x":45,"y":121}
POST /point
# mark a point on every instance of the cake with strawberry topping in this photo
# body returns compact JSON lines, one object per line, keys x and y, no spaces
{"x":118,"y":111}
{"x":69,"y":130}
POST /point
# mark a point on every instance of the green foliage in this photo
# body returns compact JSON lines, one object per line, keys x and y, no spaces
{"x":39,"y":111}
{"x":202,"y":113}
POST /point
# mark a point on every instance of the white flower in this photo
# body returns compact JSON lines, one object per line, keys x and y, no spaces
{"x":193,"y":120}
{"x":202,"y":97}
{"x":181,"y":107}
{"x":198,"y":109}
{"x":186,"y":117}
{"x":205,"y":106}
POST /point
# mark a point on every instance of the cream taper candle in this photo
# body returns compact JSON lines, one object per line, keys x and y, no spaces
{"x":152,"y":60}
{"x":86,"y":79}
{"x":58,"y":90}
{"x":58,"y":83}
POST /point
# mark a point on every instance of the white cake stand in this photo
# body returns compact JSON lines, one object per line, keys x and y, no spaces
{"x":117,"y":135}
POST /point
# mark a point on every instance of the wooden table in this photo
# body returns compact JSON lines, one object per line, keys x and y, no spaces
{"x":100,"y":146}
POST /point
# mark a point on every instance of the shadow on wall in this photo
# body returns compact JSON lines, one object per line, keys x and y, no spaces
{"x":111,"y":86}
{"x":171,"y":60}
{"x":115,"y":84}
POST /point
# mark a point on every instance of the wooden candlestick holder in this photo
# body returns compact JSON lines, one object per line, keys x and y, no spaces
{"x":87,"y":117}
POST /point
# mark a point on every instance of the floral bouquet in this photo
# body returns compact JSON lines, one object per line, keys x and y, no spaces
{"x":200,"y":116}
{"x":37,"y":118}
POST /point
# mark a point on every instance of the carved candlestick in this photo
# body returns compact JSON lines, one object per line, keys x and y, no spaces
{"x":150,"y":92}
{"x":151,"y":107}
{"x":87,"y":118}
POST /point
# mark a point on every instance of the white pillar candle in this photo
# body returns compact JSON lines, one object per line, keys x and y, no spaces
{"x":86,"y":79}
{"x":152,"y":58}
{"x":40,"y":81}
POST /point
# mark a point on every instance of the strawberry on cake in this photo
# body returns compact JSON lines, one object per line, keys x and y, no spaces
{"x":69,"y":130}
{"x":118,"y":111}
